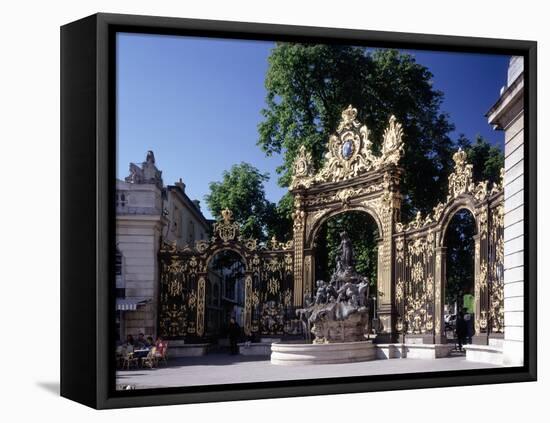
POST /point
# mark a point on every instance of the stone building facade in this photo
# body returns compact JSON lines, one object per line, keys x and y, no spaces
{"x":146,"y":212}
{"x":508,"y":115}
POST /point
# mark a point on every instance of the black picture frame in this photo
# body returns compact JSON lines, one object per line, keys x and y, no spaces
{"x":88,"y":148}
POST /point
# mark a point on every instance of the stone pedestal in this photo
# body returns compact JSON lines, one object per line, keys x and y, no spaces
{"x":255,"y":349}
{"x":178,"y":349}
{"x":427,"y":351}
{"x":345,"y":352}
{"x":484,"y":354}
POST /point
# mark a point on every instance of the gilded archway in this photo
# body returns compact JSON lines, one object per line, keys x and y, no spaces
{"x":352,"y":178}
{"x":421,"y":256}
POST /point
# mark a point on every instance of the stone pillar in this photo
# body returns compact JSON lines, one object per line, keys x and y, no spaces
{"x":248,"y":304}
{"x":201,"y":301}
{"x":309,"y":274}
{"x":507,"y":115}
{"x":299,"y":223}
{"x":439,"y":297}
{"x":479,"y":336}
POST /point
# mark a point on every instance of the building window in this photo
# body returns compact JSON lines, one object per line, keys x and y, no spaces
{"x":120,"y":286}
{"x":191,"y":236}
{"x":120,"y":199}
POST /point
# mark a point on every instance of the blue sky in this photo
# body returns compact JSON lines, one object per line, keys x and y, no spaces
{"x":196,"y":103}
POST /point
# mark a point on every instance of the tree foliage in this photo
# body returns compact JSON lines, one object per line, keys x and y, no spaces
{"x":242,"y":191}
{"x":460,"y":256}
{"x":363,"y":233}
{"x":487,"y":159}
{"x":308,"y":86}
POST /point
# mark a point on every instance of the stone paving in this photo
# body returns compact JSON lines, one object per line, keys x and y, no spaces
{"x":223,"y":369}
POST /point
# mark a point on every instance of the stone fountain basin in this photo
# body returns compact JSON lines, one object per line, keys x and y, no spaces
{"x":289,"y":354}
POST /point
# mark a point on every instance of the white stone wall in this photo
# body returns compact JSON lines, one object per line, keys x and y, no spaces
{"x":514,"y":242}
{"x":137,"y":239}
{"x":507,"y":115}
{"x":138,"y":199}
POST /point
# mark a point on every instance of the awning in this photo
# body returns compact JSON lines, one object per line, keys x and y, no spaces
{"x":130,"y":304}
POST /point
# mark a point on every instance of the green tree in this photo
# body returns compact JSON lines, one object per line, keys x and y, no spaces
{"x":459,"y":240}
{"x":363,"y":233}
{"x":487,"y":159}
{"x":308,"y":86}
{"x":242,"y":191}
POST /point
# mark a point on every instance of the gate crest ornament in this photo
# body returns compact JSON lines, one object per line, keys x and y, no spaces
{"x":226,"y":229}
{"x":349,"y":153}
{"x":460,"y":181}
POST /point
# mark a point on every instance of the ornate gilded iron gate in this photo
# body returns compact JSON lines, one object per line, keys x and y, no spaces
{"x":268,"y":280}
{"x":420,"y":253}
{"x":411,"y":257}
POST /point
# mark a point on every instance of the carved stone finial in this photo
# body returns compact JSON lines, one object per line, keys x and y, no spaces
{"x":349,"y":115}
{"x":227,"y":215}
{"x":460,"y":158}
{"x":225,"y":228}
{"x":461,"y":180}
{"x":302,"y":169}
{"x":392,"y":146}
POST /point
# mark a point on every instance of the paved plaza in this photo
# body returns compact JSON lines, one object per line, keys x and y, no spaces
{"x":221,"y":369}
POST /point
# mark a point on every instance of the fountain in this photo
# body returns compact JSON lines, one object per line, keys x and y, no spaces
{"x":337,"y":317}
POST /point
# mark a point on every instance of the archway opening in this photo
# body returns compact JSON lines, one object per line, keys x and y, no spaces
{"x":224,"y":295}
{"x":364,"y":235}
{"x":459,"y":307}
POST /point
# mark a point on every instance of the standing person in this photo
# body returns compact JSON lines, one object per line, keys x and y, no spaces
{"x":234,"y":331}
{"x":461,"y":330}
{"x":469,"y":327}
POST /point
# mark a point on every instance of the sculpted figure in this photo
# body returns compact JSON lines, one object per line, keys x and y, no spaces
{"x":321,"y":295}
{"x":346,"y":251}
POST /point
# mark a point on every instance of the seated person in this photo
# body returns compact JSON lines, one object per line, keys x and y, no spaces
{"x":149,"y":342}
{"x":160,"y":347}
{"x":130,"y":343}
{"x":141,"y":342}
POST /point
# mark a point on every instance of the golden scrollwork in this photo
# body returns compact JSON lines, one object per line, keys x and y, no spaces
{"x":192,"y":300}
{"x":174,"y":287}
{"x":460,"y":181}
{"x":302,"y":169}
{"x":399,"y":290}
{"x":248,"y":305}
{"x":273,"y":286}
{"x":226,"y":228}
{"x":399,"y":249}
{"x":201,"y":295}
{"x":430,"y":287}
{"x":349,"y":153}
{"x":483,"y":224}
{"x":417,"y":273}
{"x":392,"y":146}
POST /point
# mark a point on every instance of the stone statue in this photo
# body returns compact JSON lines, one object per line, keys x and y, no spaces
{"x":150,"y":158}
{"x":339,"y":312}
{"x":147,"y":173}
{"x":346,"y":252}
